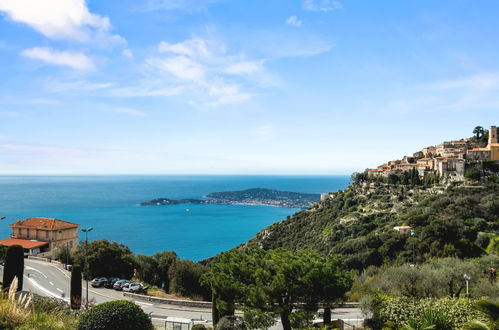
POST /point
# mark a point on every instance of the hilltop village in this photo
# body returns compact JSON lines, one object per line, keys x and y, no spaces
{"x":450,"y":159}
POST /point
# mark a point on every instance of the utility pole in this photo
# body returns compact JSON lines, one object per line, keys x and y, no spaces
{"x":86,"y":231}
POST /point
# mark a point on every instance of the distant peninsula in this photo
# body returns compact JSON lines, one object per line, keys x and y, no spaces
{"x":254,"y":196}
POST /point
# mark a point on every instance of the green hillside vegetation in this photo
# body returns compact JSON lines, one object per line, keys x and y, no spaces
{"x":357,"y":223}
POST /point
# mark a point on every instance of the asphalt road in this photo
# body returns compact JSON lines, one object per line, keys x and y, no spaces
{"x":47,"y":279}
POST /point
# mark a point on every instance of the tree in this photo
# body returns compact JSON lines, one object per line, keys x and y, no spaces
{"x":229,"y":278}
{"x":105,"y":259}
{"x":154,"y":269}
{"x":184,"y":279}
{"x":63,"y":254}
{"x":13,"y":267}
{"x":165,"y":260}
{"x":76,"y":287}
{"x":478,"y":131}
{"x":473,"y":174}
{"x":3,"y":253}
{"x":275,"y":281}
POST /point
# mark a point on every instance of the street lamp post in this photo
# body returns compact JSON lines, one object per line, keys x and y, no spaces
{"x":467,"y":277}
{"x":86,"y":231}
{"x":413,"y":234}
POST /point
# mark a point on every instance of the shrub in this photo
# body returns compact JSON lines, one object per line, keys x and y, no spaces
{"x":13,"y":267}
{"x":51,"y":305}
{"x":115,"y":315}
{"x":230,"y":323}
{"x":198,"y":327}
{"x":456,"y":311}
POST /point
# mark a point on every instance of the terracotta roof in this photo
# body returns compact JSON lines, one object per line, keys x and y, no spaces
{"x":25,"y":243}
{"x":44,"y":223}
{"x":479,"y":149}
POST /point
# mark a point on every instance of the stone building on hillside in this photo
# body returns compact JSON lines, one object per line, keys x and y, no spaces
{"x":449,"y":159}
{"x":478,"y":154}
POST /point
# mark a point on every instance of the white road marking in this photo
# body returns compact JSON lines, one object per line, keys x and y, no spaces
{"x":142,"y":303}
{"x":59,"y":290}
{"x":51,"y":283}
{"x":36,"y":270}
{"x":33,"y":282}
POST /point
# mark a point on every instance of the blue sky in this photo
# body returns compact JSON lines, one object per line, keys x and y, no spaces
{"x":240,"y":87}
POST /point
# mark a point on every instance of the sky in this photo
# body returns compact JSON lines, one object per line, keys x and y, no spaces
{"x":240,"y":86}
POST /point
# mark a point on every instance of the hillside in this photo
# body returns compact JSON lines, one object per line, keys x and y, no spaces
{"x":357,"y":223}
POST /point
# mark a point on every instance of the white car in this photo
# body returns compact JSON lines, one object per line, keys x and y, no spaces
{"x":134,"y":288}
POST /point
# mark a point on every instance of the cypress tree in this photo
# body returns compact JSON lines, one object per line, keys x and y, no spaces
{"x":76,"y":287}
{"x":215,"y":314}
{"x":14,"y":266}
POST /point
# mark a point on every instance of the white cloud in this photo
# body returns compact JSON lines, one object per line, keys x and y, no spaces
{"x":130,"y":111}
{"x":321,"y":5}
{"x":183,"y":68}
{"x":293,"y":21}
{"x":195,"y":47}
{"x":127,"y":53}
{"x":484,"y":82}
{"x":205,"y":70}
{"x":74,"y":60}
{"x":190,"y":5}
{"x":61,"y":19}
{"x":245,"y":67}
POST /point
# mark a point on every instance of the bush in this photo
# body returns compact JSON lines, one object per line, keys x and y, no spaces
{"x":198,"y":327}
{"x":115,"y":315}
{"x":230,"y":323}
{"x":51,"y":305}
{"x":456,"y":311}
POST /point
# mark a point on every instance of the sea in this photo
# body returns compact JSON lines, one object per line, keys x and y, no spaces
{"x":109,"y":204}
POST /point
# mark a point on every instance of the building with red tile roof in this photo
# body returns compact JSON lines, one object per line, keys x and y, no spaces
{"x":54,"y":233}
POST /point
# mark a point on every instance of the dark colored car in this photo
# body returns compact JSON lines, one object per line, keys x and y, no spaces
{"x":110,"y":282}
{"x":118,"y":285}
{"x":98,"y":282}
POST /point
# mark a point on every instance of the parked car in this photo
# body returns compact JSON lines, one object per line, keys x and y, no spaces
{"x":110,"y":282}
{"x":99,"y":281}
{"x":118,"y":285}
{"x":135,"y":288}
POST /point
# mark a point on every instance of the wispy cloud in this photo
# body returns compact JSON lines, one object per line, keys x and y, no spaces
{"x":185,"y":5}
{"x":130,"y":111}
{"x":321,"y":5}
{"x":48,"y":55}
{"x":205,"y":69}
{"x":62,"y":19}
{"x":127,"y":53}
{"x":483,"y":82}
{"x":293,"y":21}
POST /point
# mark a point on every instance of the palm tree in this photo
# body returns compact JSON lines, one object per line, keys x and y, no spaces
{"x":478,"y":131}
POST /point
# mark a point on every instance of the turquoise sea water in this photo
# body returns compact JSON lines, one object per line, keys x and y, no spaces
{"x":109,"y":205}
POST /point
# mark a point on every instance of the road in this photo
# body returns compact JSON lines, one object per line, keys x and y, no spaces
{"x":47,"y":279}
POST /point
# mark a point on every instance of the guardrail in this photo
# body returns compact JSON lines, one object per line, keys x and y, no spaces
{"x":186,"y":303}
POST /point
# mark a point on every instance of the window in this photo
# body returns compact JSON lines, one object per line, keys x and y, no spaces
{"x":70,"y":244}
{"x":36,"y":234}
{"x":27,"y":232}
{"x":46,"y":234}
{"x":19,"y":232}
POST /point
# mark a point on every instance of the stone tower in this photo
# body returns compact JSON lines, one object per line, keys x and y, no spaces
{"x":493,"y":135}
